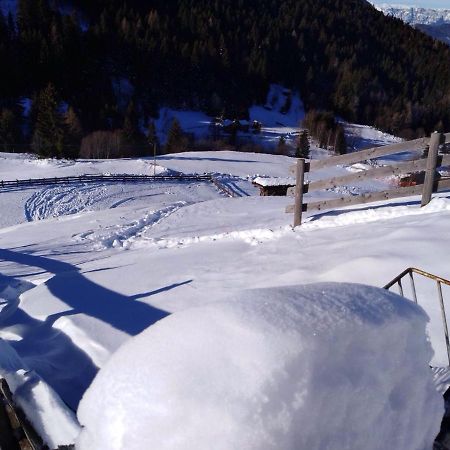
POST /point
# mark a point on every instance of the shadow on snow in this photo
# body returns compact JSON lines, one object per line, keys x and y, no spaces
{"x":48,"y":350}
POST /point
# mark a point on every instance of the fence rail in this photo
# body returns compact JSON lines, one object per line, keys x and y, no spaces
{"x":118,"y":179}
{"x":101,"y":178}
{"x":439,"y":282}
{"x":426,"y":187}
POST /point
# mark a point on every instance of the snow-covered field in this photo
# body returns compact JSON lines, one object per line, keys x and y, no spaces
{"x":83,"y":269}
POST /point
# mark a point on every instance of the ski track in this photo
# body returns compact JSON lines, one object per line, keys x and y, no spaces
{"x":62,"y":200}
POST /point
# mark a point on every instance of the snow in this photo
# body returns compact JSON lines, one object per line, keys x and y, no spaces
{"x":194,"y":122}
{"x":271,"y":115}
{"x":84,"y":270}
{"x":275,"y":120}
{"x":265,"y":181}
{"x":416,"y":15}
{"x":240,"y":164}
{"x":43,"y":407}
{"x":24,"y":166}
{"x":305,"y":367}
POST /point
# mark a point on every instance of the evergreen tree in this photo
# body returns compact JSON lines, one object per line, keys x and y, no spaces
{"x":224,"y":48}
{"x":282,"y":147}
{"x":134,"y":139}
{"x":9,"y":131}
{"x":176,"y":139}
{"x":152,"y":138}
{"x":340,"y":146}
{"x":49,"y":130}
{"x":302,"y":150}
{"x":74,"y":134}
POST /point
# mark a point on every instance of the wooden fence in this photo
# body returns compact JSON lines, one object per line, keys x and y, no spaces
{"x":429,"y":164}
{"x":119,"y":179}
{"x":101,"y":178}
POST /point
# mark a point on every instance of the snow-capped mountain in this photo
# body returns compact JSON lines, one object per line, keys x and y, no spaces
{"x":434,"y":22}
{"x":416,"y":15}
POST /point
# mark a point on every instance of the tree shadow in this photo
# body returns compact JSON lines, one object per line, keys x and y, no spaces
{"x":48,"y":350}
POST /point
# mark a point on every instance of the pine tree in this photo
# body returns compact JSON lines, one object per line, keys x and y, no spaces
{"x":302,"y":150}
{"x":340,"y":146}
{"x":176,"y":139}
{"x":134,"y":139}
{"x":49,"y":131}
{"x":152,"y":137}
{"x":9,"y":131}
{"x":74,"y":134}
{"x":282,"y":148}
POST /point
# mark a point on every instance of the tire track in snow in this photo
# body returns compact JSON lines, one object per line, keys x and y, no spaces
{"x":62,"y":200}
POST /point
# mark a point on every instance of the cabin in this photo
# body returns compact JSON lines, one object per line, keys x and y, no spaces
{"x":273,"y":186}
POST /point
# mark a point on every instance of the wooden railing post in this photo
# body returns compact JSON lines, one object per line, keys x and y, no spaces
{"x":428,"y":186}
{"x":300,"y":179}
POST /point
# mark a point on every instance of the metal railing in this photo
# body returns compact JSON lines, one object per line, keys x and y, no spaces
{"x":439,"y":282}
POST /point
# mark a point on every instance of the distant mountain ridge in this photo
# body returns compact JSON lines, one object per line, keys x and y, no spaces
{"x":415,"y":15}
{"x":431,"y":21}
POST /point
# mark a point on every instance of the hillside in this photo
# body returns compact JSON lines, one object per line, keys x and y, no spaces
{"x":115,"y":64}
{"x":86,"y":270}
{"x":438,"y":31}
{"x":434,"y":22}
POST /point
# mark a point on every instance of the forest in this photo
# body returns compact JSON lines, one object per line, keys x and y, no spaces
{"x":94,"y":66}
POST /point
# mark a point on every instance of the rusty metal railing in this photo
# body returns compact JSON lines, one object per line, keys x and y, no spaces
{"x":439,"y":282}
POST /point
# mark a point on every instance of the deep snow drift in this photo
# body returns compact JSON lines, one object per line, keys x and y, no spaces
{"x":311,"y":367}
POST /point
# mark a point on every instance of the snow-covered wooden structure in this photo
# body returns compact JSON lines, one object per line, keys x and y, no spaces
{"x":271,"y":186}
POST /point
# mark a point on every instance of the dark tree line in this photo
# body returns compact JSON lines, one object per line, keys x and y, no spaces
{"x":216,"y":56}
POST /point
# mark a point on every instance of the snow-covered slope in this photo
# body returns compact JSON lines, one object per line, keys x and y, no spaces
{"x":84,"y":270}
{"x":416,"y":15}
{"x":438,"y":31}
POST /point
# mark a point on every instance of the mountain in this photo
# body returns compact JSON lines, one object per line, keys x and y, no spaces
{"x":112,"y":65}
{"x":434,"y":22}
{"x":437,"y":31}
{"x":416,"y":15}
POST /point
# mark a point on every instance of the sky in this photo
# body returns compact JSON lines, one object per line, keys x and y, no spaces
{"x":421,"y":3}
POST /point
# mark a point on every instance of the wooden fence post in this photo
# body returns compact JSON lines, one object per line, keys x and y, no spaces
{"x":300,"y":179}
{"x":428,"y":186}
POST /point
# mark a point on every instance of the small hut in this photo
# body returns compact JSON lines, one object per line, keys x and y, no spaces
{"x":272,"y":186}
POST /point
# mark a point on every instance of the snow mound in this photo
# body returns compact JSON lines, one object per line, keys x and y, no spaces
{"x":52,"y":419}
{"x":305,"y":367}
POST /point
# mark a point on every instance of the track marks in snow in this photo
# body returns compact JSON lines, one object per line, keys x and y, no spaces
{"x":330,"y":219}
{"x":62,"y":200}
{"x":122,"y":236}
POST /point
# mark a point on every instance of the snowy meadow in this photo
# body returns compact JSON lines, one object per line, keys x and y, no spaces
{"x":171,"y":304}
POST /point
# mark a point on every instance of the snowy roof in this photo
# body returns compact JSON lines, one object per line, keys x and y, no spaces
{"x":271,"y":181}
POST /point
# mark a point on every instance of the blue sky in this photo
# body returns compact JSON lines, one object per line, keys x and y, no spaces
{"x":422,"y":3}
